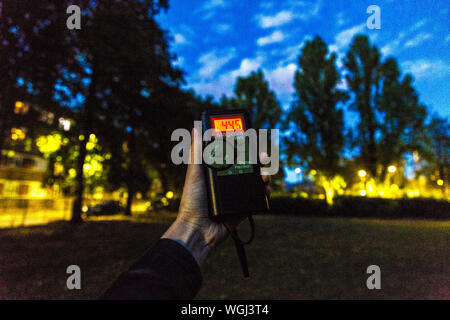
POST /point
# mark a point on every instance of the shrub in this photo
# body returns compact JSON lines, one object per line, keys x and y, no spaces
{"x":362,"y":207}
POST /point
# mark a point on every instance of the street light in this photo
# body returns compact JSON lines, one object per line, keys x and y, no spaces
{"x":392,"y":169}
{"x":362,"y":173}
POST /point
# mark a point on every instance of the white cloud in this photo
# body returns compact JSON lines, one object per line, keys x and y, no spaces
{"x":222,"y":28}
{"x":225,"y":83}
{"x":276,"y":36}
{"x":213,"y":61}
{"x":281,"y":79}
{"x":425,"y":68}
{"x":340,"y":19}
{"x":180,"y":39}
{"x":344,"y":37}
{"x":279,"y":19}
{"x":307,"y":10}
{"x":212,"y":4}
{"x":417,"y":40}
{"x":210,"y":7}
{"x":418,"y":25}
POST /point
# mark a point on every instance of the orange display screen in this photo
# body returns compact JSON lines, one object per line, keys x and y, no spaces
{"x":225,"y":124}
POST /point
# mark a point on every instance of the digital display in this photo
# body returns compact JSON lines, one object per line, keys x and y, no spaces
{"x":224,"y":124}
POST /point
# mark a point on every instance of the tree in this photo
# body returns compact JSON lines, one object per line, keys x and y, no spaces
{"x":402,"y":127}
{"x":253,"y":93}
{"x":125,"y":58}
{"x":317,"y":123}
{"x":439,"y":132}
{"x":363,"y":66}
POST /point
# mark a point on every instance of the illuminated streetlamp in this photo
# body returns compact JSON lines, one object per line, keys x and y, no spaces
{"x":362,"y":173}
{"x":392,"y":169}
{"x":440,"y":182}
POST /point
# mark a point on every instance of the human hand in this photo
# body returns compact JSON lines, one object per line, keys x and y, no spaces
{"x":193,"y":227}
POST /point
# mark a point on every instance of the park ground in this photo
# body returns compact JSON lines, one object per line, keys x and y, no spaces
{"x":292,"y":257}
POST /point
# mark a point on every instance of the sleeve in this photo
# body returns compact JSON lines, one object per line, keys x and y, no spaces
{"x":168,"y":271}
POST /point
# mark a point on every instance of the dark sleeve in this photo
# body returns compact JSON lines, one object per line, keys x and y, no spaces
{"x":167,"y":271}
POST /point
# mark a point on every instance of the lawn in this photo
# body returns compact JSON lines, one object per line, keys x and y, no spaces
{"x":291,"y":257}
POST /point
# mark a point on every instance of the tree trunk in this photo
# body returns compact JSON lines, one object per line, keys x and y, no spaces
{"x":87,"y":117}
{"x":130,"y":179}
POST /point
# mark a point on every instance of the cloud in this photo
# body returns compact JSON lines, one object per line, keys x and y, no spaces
{"x":417,"y":40}
{"x":180,"y":39}
{"x":213,"y":61}
{"x":344,"y":37}
{"x":340,"y":19}
{"x":395,"y":45}
{"x":307,"y":10}
{"x":222,"y":28}
{"x":225,"y":83}
{"x":281,"y":79}
{"x":426,"y":68}
{"x":276,"y":36}
{"x":210,"y":7}
{"x":279,"y":19}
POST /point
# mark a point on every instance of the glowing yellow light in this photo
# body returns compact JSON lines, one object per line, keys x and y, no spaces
{"x":381,"y":192}
{"x":72,"y":173}
{"x":81,"y":137}
{"x":169,"y":195}
{"x":313,"y":172}
{"x":92,"y":137}
{"x":362,"y":173}
{"x":90,"y":146}
{"x":394,"y":187}
{"x":17,"y":134}
{"x":85,"y":209}
{"x":440,"y":182}
{"x":49,"y":144}
{"x":362,"y":192}
{"x":87,"y":166}
{"x":392,"y":169}
{"x":58,"y":168}
{"x":20,"y":108}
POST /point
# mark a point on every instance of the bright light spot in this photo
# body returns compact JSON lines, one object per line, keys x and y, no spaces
{"x":85,"y":209}
{"x":394,"y":187}
{"x":20,"y":108}
{"x":381,"y":192}
{"x":64,"y":123}
{"x":17,"y":134}
{"x":169,"y":195}
{"x":392,"y":169}
{"x":362,"y":192}
{"x":72,"y":173}
{"x":298,"y":170}
{"x":440,"y":182}
{"x":81,"y":137}
{"x":362,"y":173}
{"x":313,"y":172}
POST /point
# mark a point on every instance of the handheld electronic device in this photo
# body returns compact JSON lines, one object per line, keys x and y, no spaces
{"x":235,"y":188}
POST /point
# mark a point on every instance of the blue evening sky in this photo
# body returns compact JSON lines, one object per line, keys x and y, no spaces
{"x":219,"y":40}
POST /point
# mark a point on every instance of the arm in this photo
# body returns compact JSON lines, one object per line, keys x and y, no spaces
{"x":171,"y":270}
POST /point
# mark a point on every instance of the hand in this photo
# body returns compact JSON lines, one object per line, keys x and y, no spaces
{"x":193,"y":228}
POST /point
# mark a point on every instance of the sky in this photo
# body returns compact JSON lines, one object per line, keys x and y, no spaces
{"x":217,"y":41}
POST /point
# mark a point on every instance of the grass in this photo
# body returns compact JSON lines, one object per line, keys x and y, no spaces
{"x":291,"y":257}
